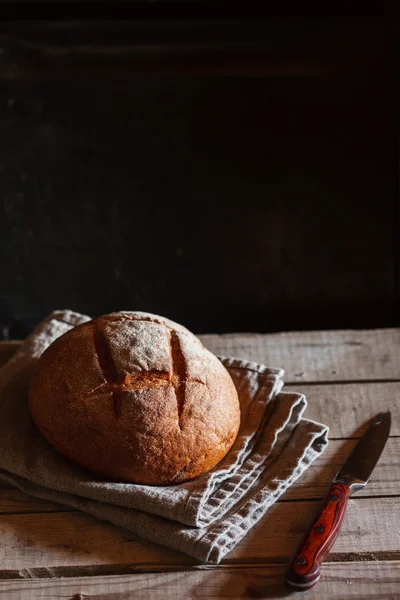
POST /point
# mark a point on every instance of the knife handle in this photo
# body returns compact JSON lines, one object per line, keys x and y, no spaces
{"x":304,"y":569}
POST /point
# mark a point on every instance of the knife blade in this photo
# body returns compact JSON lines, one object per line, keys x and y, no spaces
{"x":304,"y":569}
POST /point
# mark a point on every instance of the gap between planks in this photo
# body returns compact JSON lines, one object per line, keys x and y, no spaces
{"x":340,"y":382}
{"x":228,"y":565}
{"x":338,"y":580}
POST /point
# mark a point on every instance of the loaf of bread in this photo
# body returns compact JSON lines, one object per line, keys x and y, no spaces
{"x":135,"y":397}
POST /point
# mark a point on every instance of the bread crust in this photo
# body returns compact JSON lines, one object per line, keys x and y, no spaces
{"x":135,"y":397}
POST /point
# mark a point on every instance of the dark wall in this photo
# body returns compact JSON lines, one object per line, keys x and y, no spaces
{"x":229,"y":204}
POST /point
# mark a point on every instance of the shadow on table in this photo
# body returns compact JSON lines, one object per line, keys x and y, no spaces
{"x":253,"y":582}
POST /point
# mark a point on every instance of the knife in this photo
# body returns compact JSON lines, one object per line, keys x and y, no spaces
{"x":303,"y":571}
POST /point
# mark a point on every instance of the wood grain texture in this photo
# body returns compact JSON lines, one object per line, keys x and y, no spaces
{"x":13,"y":501}
{"x":347,"y":408}
{"x":317,"y":356}
{"x":78,"y":540}
{"x":357,"y":580}
{"x":384,"y":481}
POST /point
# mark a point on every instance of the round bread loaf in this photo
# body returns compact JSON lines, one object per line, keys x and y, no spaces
{"x":135,"y":397}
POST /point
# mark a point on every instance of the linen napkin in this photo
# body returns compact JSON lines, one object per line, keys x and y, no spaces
{"x":206,"y":517}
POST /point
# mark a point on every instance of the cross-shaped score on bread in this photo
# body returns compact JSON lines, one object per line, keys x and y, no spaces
{"x":137,"y":398}
{"x":117,"y":383}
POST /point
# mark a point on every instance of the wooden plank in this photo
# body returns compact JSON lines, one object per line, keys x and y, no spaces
{"x":347,"y":408}
{"x":359,"y":580}
{"x":75,"y":539}
{"x":313,"y":483}
{"x":370,"y":525}
{"x":308,"y":356}
{"x":318,"y":355}
{"x":13,"y":500}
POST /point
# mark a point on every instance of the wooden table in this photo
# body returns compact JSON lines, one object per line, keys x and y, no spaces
{"x":49,"y":551}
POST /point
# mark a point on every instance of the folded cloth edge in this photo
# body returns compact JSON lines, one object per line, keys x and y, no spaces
{"x":204,"y":548}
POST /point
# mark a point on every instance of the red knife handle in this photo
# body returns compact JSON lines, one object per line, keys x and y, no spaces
{"x":304,"y":569}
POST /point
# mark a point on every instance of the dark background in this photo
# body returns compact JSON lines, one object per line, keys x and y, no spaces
{"x":233,"y":176}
